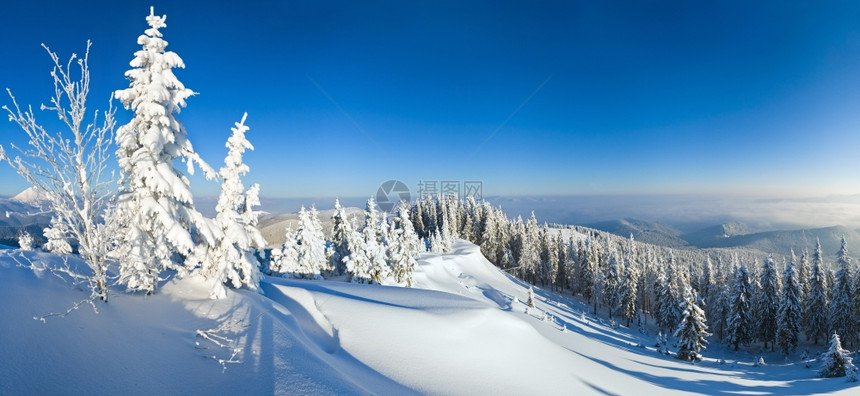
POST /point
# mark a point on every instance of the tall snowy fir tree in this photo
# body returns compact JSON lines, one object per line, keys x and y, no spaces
{"x":628,"y":288}
{"x":548,"y":258}
{"x":670,"y":294}
{"x":692,"y":330}
{"x":610,"y":283}
{"x":767,"y":303}
{"x":740,"y":320}
{"x":285,"y":261}
{"x":374,"y":248}
{"x":817,"y":300}
{"x":339,"y":247}
{"x":356,"y":261}
{"x":155,"y":205}
{"x":790,"y":312}
{"x":530,"y":254}
{"x":491,"y":241}
{"x":403,"y":248}
{"x":311,"y":245}
{"x":841,"y":317}
{"x":720,"y":322}
{"x":803,"y":273}
{"x":587,"y":274}
{"x":231,"y":260}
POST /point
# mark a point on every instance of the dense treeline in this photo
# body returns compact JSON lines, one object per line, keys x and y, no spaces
{"x":775,"y":301}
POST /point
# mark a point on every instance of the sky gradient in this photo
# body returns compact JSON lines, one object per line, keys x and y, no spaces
{"x":555,"y":98}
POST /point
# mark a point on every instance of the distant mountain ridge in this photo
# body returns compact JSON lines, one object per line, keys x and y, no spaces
{"x":736,"y":235}
{"x":643,"y":231}
{"x":21,"y":213}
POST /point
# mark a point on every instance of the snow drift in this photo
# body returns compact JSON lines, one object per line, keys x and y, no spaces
{"x":462,"y":330}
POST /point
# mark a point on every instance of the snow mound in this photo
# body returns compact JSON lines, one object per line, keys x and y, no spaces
{"x":462,"y":330}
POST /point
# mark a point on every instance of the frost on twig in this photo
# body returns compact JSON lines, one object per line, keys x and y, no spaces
{"x":224,"y":342}
{"x":70,"y":169}
{"x":66,"y":273}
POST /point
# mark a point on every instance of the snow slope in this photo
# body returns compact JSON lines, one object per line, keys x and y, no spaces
{"x":462,"y":330}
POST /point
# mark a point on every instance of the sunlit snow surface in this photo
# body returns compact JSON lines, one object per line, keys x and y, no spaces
{"x":462,"y":330}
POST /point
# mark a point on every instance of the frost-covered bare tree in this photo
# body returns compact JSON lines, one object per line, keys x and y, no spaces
{"x":70,"y":168}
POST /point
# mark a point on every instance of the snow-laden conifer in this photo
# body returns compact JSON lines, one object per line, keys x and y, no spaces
{"x":692,"y":331}
{"x":817,"y":300}
{"x":25,"y":241}
{"x":628,"y":289}
{"x":155,"y":205}
{"x":767,"y":303}
{"x":56,"y":235}
{"x":403,"y":248}
{"x":740,"y":320}
{"x":311,"y":245}
{"x":837,"y":362}
{"x":841,"y":316}
{"x":230,"y":259}
{"x":285,"y":261}
{"x":339,"y":247}
{"x":374,"y":248}
{"x":790,"y":312}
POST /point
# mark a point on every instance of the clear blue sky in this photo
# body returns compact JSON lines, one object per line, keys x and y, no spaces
{"x":612,"y":97}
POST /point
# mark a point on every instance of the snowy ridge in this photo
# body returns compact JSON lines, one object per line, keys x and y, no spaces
{"x":30,"y":196}
{"x":462,"y":330}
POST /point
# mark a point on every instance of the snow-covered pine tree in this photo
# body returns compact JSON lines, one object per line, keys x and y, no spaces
{"x":356,"y":261}
{"x":841,"y":317}
{"x":587,"y":272}
{"x":530,"y":255}
{"x":155,"y":205}
{"x":340,"y":231}
{"x":311,"y":245}
{"x":629,"y":284}
{"x":837,"y":362}
{"x":374,"y":249}
{"x":740,"y":321}
{"x":549,"y":257}
{"x":721,"y":310}
{"x":803,"y":273}
{"x":417,"y":216}
{"x":767,"y":303}
{"x":692,"y":330}
{"x":230,"y":260}
{"x":403,"y":247}
{"x":789,"y":314}
{"x":508,"y":259}
{"x":56,"y":236}
{"x":285,"y":261}
{"x":611,"y":279}
{"x":531,"y":299}
{"x":515,"y":243}
{"x":25,"y":241}
{"x":817,"y":300}
{"x":671,"y":294}
{"x":491,"y":239}
{"x":437,"y":244}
